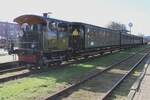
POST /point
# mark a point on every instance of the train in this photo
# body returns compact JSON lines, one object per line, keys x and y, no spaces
{"x":47,"y":40}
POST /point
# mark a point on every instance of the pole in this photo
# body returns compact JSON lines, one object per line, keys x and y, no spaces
{"x":130,"y":25}
{"x":130,"y":30}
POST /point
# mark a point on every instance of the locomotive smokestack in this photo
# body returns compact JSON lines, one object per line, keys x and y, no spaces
{"x":45,"y":15}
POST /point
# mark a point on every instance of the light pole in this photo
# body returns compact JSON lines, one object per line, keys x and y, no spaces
{"x":130,"y":25}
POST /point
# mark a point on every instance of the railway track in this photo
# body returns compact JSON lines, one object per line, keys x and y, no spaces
{"x":20,"y":70}
{"x":8,"y":65}
{"x":12,"y":67}
{"x":6,"y":69}
{"x":122,"y":78}
{"x":118,"y":72}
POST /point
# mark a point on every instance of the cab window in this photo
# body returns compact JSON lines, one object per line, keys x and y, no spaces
{"x":62,"y":27}
{"x":34,"y":27}
{"x":52,"y":26}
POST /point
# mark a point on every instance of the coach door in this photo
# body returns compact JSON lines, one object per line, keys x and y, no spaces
{"x":76,"y":38}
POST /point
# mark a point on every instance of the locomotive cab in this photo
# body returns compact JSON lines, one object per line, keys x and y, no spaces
{"x":57,"y":36}
{"x":46,"y":38}
{"x":31,"y":37}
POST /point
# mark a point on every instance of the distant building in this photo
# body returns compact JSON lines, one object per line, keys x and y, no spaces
{"x":8,"y":32}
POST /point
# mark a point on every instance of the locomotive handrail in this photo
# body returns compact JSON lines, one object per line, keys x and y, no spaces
{"x":28,"y":42}
{"x":29,"y":49}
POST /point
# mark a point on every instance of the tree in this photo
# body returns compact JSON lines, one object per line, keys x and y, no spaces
{"x":117,"y":26}
{"x":140,"y":34}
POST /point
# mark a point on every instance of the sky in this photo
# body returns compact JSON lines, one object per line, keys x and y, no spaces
{"x":96,"y":12}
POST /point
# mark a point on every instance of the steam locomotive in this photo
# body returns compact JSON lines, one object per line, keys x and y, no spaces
{"x":47,"y":40}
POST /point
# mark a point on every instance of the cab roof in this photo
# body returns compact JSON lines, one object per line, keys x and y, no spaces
{"x":35,"y":19}
{"x":30,"y":19}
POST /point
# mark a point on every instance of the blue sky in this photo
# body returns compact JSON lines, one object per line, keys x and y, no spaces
{"x":97,"y":12}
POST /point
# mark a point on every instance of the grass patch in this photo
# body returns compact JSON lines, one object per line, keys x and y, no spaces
{"x":40,"y":85}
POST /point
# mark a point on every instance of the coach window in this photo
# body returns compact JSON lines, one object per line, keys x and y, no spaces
{"x":88,"y":32}
{"x":81,"y":32}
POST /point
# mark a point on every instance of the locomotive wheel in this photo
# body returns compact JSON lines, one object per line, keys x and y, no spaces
{"x":57,"y":63}
{"x":86,"y":56}
{"x":111,"y":51}
{"x":30,"y":67}
{"x":101,"y":53}
{"x":20,"y":63}
{"x":41,"y":63}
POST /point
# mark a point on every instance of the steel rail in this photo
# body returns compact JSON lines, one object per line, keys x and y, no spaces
{"x":136,"y":85}
{"x":13,"y":69}
{"x":2,"y":80}
{"x":121,"y":80}
{"x":56,"y":95}
{"x":6,"y":65}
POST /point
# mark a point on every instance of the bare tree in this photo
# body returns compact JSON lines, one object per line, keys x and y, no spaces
{"x":117,"y":26}
{"x":140,"y":34}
